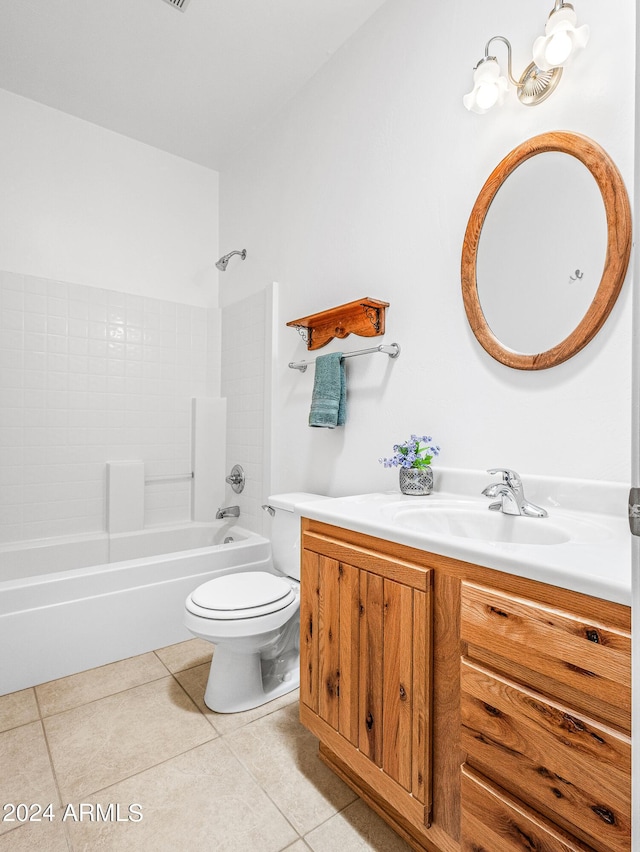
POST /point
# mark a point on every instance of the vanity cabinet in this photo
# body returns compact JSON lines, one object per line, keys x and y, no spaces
{"x":365,"y":652}
{"x":474,"y":710}
{"x":545,"y":703}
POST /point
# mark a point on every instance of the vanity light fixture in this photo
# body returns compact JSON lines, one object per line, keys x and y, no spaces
{"x":551,"y":52}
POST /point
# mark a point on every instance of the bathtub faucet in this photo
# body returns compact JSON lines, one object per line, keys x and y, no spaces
{"x":228,"y":512}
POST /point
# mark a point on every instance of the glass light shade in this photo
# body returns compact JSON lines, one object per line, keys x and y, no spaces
{"x":561,"y":41}
{"x":489,"y":87}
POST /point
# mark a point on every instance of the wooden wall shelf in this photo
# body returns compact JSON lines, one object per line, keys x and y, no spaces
{"x":364,"y":317}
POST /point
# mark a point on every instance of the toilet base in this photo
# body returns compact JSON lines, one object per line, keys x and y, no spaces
{"x":240,"y":682}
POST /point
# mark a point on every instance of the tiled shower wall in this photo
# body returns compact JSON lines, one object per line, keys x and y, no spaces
{"x":243,"y":381}
{"x":87,"y":376}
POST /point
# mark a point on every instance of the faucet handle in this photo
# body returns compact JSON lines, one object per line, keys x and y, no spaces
{"x":236,"y":478}
{"x":511,"y":477}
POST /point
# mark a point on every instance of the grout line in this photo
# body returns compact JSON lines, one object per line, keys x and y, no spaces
{"x":104,"y":697}
{"x":85,"y":671}
{"x":215,"y":734}
{"x":35,"y":695}
{"x":192,"y":700}
{"x":295,"y":842}
{"x":23,"y":723}
{"x":268,"y":795}
{"x":96,"y":793}
{"x":67,"y":835}
{"x":257,"y":781}
{"x":155,"y":653}
{"x":54,"y":774}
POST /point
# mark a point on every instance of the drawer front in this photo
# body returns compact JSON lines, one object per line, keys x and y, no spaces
{"x":574,"y":771}
{"x":577,"y":660}
{"x":493,"y":821}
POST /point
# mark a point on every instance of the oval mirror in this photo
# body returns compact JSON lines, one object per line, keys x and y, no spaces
{"x":546,"y":252}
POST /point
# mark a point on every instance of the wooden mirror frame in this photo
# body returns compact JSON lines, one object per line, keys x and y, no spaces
{"x":618,"y":213}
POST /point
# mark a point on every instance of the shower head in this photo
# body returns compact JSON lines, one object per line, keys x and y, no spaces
{"x":224,"y":260}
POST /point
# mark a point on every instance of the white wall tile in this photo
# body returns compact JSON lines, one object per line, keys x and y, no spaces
{"x":243,"y":368}
{"x":89,"y":375}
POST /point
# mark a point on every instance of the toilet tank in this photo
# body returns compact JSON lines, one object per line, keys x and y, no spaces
{"x":285,"y":530}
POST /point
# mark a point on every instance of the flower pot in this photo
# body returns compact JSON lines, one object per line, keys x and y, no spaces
{"x":416,"y":481}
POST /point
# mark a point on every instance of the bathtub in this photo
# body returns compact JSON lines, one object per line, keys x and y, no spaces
{"x":69,"y":604}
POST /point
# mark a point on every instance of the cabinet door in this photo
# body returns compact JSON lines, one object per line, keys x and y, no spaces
{"x":365,"y":672}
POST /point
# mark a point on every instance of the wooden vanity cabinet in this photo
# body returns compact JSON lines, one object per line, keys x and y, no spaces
{"x":365,"y":651}
{"x":474,"y":710}
{"x":545,"y":707}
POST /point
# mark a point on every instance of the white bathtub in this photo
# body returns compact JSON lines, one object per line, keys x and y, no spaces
{"x":71,"y":604}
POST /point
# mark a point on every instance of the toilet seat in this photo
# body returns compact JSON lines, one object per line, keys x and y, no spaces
{"x":248,"y":594}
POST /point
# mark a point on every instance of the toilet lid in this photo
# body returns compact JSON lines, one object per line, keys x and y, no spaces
{"x":242,"y":592}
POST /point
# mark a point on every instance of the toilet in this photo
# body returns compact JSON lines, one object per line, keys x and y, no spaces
{"x":253,"y":619}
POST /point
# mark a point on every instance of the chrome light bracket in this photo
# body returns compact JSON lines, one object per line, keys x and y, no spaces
{"x":535,"y":85}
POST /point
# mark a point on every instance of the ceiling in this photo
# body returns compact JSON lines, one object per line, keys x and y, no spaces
{"x":195,"y":83}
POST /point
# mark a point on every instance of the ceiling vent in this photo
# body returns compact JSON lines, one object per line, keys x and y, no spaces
{"x":178,"y":4}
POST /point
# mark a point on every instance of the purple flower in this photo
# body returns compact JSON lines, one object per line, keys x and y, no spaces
{"x":411,"y":453}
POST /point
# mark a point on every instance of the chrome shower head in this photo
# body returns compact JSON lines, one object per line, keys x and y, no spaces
{"x":224,"y":260}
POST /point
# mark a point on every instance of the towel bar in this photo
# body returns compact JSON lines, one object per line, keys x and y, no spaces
{"x":392,"y":350}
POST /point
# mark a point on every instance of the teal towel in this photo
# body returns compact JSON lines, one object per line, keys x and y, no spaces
{"x":328,"y":402}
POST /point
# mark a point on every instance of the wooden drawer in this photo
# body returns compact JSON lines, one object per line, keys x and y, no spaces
{"x":493,"y":821}
{"x":559,"y":653}
{"x":576,"y":772}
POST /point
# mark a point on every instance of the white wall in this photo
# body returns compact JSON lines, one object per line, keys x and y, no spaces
{"x":84,"y":205}
{"x":108,"y":318}
{"x":363,"y":186}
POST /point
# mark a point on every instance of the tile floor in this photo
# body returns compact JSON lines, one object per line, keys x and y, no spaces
{"x":137,"y":732}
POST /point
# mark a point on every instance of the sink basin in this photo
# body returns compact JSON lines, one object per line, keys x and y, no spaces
{"x":482,"y":524}
{"x":583,"y":545}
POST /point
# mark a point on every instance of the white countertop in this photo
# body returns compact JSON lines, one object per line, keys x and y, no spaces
{"x":594,"y":558}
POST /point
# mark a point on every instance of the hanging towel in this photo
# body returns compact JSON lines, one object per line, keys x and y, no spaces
{"x":328,"y":402}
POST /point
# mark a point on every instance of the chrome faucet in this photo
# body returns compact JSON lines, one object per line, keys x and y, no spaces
{"x":512,"y":500}
{"x":228,"y":512}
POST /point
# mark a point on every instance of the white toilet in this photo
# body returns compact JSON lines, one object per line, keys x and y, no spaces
{"x":253,"y":619}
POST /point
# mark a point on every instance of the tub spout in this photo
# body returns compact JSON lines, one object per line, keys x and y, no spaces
{"x":228,"y":512}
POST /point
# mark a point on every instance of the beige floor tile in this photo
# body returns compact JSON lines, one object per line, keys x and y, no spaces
{"x":201,"y":800}
{"x":56,"y":696}
{"x":298,"y":846}
{"x":18,"y":708}
{"x":185,"y":655}
{"x":46,"y":836}
{"x":226,"y":723}
{"x":25,"y":774}
{"x":356,"y":829}
{"x":99,"y":744}
{"x":283,"y":757}
{"x":194,"y":682}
